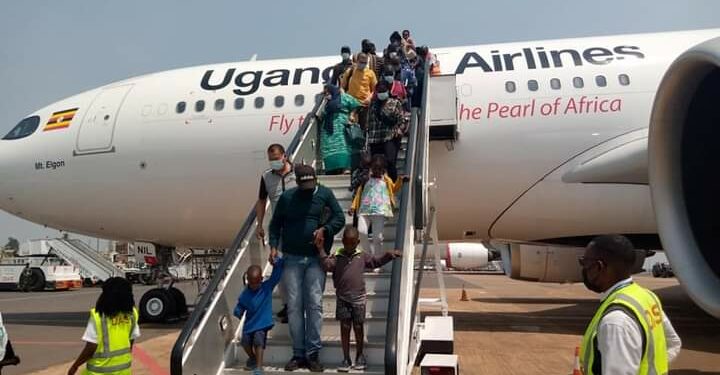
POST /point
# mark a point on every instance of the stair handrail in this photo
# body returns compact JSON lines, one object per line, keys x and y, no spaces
{"x":196,"y":317}
{"x":404,"y":235}
{"x":421,"y":218}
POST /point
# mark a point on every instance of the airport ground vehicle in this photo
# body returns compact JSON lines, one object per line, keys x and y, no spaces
{"x":37,"y":273}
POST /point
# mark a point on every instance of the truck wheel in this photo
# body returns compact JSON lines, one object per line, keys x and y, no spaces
{"x":181,"y":308}
{"x":156,"y":305}
{"x":32,"y":280}
{"x":656,"y":270}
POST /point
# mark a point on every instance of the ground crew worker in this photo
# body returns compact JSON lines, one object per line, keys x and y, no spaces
{"x":630,"y":333}
{"x":111,"y":331}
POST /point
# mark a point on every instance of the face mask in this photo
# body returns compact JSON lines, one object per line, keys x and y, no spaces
{"x":362,"y":66}
{"x":590,"y":284}
{"x":277,"y":165}
{"x":389,"y":79}
{"x":345,"y":56}
{"x":393,"y":55}
{"x":383,"y":95}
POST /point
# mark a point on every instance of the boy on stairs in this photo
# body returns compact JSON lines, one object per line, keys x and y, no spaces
{"x":348,"y":265}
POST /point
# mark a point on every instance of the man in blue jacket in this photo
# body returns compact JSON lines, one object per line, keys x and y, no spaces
{"x":304,"y":216}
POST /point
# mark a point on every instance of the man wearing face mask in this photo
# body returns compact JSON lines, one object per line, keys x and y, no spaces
{"x":630,"y":333}
{"x":340,"y":68}
{"x":273,"y":183}
{"x":360,"y":83}
{"x":305,"y":216}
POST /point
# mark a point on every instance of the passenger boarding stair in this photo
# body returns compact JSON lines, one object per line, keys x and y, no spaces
{"x":93,"y":266}
{"x":209,"y":342}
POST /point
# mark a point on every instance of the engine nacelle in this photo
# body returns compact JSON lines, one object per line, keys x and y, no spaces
{"x":466,"y":256}
{"x":684,"y":184}
{"x":554,"y":264}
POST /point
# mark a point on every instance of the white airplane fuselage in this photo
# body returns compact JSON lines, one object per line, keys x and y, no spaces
{"x":129,"y":166}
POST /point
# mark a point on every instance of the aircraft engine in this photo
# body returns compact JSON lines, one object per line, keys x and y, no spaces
{"x":465,"y":256}
{"x":684,"y":184}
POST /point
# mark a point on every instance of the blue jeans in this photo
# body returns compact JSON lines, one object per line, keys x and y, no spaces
{"x":304,"y":280}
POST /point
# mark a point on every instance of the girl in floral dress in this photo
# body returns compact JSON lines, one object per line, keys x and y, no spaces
{"x":374,"y":202}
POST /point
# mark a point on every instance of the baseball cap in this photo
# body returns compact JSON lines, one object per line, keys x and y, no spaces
{"x":305,"y":176}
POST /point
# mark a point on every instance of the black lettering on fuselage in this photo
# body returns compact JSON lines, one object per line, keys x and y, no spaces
{"x":540,"y":58}
{"x":528,"y":58}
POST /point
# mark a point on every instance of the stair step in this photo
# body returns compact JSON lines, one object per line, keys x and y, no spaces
{"x":375,"y":328}
{"x":278,"y":352}
{"x":377,"y":303}
{"x":388,"y":244}
{"x":277,"y":370}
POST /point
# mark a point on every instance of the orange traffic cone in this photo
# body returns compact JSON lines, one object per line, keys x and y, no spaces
{"x":463,"y":295}
{"x":576,"y":367}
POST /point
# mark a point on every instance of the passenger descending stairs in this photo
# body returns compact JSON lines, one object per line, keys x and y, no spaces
{"x":279,"y":345}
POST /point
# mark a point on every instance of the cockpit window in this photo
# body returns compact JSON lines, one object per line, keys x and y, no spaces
{"x":24,"y":128}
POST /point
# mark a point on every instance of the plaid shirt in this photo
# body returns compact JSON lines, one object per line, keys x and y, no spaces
{"x":388,"y":124}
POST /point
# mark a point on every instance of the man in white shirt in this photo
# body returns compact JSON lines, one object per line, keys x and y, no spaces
{"x":617,"y":341}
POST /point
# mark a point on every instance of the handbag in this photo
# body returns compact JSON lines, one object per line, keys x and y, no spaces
{"x":355,"y":136}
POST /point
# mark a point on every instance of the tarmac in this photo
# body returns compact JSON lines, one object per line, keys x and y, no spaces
{"x":507,"y":326}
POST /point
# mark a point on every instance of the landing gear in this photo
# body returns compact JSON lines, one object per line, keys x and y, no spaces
{"x":165,"y":303}
{"x":157,"y":306}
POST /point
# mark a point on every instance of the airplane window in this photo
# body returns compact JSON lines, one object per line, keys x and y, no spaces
{"x":279,"y":101}
{"x":180,"y":107}
{"x":555,"y":84}
{"x":24,"y":128}
{"x":147,"y":110}
{"x":239,"y":103}
{"x":624,"y":79}
{"x":299,"y":100}
{"x":259,"y":102}
{"x":162,"y":109}
{"x":199,"y":106}
{"x":510,"y":86}
{"x":578,"y":82}
{"x":601,"y":81}
{"x":219,"y":104}
{"x":532,"y":85}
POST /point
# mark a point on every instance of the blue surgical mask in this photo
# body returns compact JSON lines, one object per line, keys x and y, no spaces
{"x":383,"y":95}
{"x":389,"y":79}
{"x":345,"y":56}
{"x":362,"y":66}
{"x":393,"y":55}
{"x":277,"y":165}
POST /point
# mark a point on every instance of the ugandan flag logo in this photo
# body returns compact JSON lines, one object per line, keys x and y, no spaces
{"x":60,"y":120}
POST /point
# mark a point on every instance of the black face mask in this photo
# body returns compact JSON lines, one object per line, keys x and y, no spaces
{"x":590,"y":284}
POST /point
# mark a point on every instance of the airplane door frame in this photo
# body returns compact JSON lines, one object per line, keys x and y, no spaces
{"x":97,"y":130}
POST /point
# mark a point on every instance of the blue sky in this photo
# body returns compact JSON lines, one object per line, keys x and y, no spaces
{"x":53,"y":49}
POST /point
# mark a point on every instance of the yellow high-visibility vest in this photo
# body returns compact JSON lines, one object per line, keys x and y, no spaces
{"x":648,"y":312}
{"x":113,"y":355}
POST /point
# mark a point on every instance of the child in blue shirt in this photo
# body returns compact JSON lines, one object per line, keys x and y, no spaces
{"x":256,"y":303}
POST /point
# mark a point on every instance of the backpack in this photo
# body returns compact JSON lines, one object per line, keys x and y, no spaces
{"x":349,"y":71}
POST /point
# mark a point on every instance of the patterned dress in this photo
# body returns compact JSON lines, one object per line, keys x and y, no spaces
{"x":334,"y":147}
{"x":376,"y":198}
